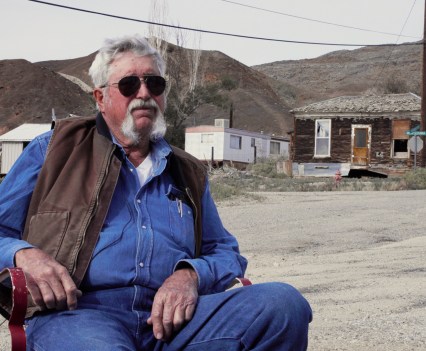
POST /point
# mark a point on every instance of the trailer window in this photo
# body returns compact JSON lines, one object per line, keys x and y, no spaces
{"x":275,"y":148}
{"x":235,"y":142}
{"x":206,"y":138}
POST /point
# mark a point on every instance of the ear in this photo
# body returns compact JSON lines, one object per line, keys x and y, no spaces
{"x":98,"y":94}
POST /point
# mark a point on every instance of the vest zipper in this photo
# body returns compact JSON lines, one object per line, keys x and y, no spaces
{"x":50,"y":142}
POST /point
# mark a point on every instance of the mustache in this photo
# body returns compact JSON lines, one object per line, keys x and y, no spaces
{"x":139,"y":103}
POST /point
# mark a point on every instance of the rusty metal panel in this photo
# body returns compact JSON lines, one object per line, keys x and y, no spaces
{"x":399,"y":127}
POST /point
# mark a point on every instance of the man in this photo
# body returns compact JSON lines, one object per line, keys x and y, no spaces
{"x":118,"y":235}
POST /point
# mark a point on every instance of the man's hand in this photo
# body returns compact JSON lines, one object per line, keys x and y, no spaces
{"x":48,"y":282}
{"x":174,"y":303}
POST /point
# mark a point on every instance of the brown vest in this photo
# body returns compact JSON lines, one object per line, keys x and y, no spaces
{"x":75,"y":187}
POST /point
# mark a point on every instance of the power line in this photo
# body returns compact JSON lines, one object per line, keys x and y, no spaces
{"x":317,"y":21}
{"x":214,"y":32}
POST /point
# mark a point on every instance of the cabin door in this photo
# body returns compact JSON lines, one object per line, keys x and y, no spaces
{"x":361,"y":144}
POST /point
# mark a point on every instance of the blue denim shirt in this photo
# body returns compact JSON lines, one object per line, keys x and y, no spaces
{"x":145,"y":236}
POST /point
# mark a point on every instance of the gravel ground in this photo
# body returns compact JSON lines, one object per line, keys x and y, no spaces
{"x":358,"y":257}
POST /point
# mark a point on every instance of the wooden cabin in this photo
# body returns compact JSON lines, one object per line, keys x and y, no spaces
{"x":355,"y":133}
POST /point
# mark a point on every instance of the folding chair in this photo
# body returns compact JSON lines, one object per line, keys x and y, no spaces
{"x":19,"y":307}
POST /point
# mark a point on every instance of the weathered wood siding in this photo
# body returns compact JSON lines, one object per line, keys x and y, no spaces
{"x":304,"y":140}
{"x":341,"y":142}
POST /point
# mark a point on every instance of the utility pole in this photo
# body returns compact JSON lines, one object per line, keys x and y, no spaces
{"x":423,"y":90}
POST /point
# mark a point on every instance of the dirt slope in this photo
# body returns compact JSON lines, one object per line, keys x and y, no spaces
{"x":345,"y":72}
{"x":29,"y":92}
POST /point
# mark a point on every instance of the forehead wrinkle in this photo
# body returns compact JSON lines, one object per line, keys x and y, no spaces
{"x":153,"y":68}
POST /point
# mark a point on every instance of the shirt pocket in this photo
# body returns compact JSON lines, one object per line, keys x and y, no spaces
{"x":113,"y":229}
{"x":181,"y":220}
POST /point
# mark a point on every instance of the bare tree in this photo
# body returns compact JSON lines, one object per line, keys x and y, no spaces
{"x":186,"y":90}
{"x":194,"y":62}
{"x":159,"y":35}
{"x":395,"y":85}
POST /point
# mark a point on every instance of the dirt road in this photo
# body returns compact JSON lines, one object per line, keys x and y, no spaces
{"x":358,"y":257}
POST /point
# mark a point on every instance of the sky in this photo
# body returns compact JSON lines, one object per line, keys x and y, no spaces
{"x":39,"y":32}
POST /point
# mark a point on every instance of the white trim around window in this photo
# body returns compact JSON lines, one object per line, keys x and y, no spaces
{"x":322,"y":138}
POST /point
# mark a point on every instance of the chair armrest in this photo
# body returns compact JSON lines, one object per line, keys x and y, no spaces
{"x":19,"y":307}
{"x":239,"y":282}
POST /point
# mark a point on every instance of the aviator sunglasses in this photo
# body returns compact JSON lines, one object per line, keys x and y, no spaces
{"x":131,"y":84}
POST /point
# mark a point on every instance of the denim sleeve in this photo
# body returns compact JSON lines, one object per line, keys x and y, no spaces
{"x":220,"y":261}
{"x":15,"y":195}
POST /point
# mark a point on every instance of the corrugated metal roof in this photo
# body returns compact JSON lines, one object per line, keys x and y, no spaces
{"x":364,"y":104}
{"x":25,"y":132}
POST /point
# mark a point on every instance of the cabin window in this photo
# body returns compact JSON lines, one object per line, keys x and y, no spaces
{"x":275,"y":148}
{"x":400,"y":148}
{"x":235,"y":142}
{"x":361,"y":138}
{"x":206,"y":138}
{"x":400,"y":139}
{"x":322,"y":137}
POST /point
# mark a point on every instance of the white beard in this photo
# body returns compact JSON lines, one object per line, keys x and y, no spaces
{"x":128,"y":127}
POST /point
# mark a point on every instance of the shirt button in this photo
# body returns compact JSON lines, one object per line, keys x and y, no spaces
{"x":138,"y":201}
{"x":144,"y":227}
{"x":141,"y":264}
{"x":131,"y":169}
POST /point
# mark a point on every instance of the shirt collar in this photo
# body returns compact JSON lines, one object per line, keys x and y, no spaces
{"x":159,"y":151}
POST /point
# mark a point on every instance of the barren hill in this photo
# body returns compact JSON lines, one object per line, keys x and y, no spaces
{"x":76,"y":67}
{"x":261,"y":96}
{"x":346,"y":72}
{"x":255,"y":103}
{"x":256,"y":106}
{"x":29,"y":92}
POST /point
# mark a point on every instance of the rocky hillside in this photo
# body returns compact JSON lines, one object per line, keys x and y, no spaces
{"x":29,"y":92}
{"x":77,"y":67}
{"x":347,"y":72}
{"x":261,"y":96}
{"x":256,"y":105}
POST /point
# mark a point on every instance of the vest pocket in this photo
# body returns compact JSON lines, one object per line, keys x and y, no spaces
{"x":47,"y":231}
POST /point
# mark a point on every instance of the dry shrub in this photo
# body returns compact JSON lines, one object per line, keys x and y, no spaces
{"x":229,"y":182}
{"x":415,"y":179}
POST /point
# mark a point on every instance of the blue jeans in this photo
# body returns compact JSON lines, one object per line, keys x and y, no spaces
{"x":271,"y":316}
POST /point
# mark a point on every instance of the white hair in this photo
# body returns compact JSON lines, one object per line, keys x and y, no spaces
{"x":137,"y":44}
{"x":128,"y":127}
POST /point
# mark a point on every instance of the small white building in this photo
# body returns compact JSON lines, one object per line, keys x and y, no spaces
{"x":221,"y":144}
{"x":14,"y":142}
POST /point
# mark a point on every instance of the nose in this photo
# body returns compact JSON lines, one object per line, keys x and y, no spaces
{"x":143,"y":92}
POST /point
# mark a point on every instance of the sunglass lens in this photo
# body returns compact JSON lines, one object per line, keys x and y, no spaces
{"x":155,"y":84}
{"x":129,"y":85}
